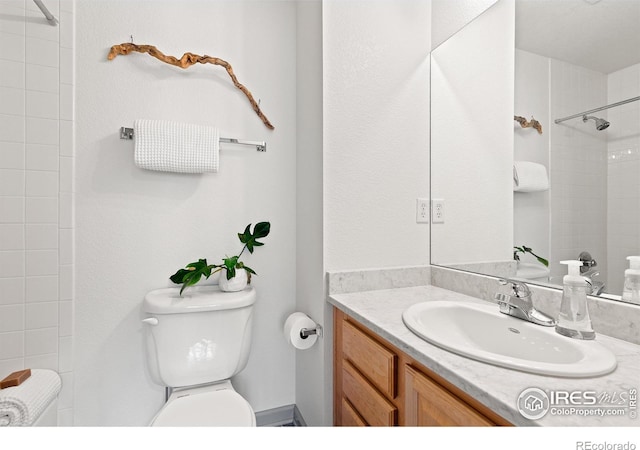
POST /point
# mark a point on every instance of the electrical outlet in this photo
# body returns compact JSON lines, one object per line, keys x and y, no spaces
{"x":422,"y":210}
{"x":437,"y":210}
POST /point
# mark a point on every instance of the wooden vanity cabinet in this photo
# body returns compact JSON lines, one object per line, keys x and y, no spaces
{"x":375,"y":384}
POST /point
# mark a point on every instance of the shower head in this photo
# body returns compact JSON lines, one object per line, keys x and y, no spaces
{"x":601,"y":124}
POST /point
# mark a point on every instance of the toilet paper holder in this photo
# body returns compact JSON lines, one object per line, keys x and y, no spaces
{"x":306,"y":332}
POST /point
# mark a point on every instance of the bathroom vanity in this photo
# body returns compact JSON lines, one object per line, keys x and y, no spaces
{"x":385,"y":375}
{"x":377,"y":384}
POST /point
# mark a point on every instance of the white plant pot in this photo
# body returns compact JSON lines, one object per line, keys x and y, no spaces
{"x":237,"y":283}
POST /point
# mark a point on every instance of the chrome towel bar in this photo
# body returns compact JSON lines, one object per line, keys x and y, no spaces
{"x":261,"y":146}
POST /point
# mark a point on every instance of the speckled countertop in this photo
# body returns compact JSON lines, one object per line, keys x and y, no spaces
{"x":497,"y":388}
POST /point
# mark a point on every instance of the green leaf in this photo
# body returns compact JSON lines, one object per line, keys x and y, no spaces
{"x":178,"y":277}
{"x":244,"y":237}
{"x":230,"y":264}
{"x":250,"y":240}
{"x":190,"y":280}
{"x":249,"y":269}
{"x":542,"y":261}
{"x":261,"y":230}
{"x":191,"y":274}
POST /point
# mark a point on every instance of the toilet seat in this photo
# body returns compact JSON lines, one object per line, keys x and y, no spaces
{"x":211,"y":408}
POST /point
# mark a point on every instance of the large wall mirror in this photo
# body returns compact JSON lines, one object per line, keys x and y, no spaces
{"x":523,"y":177}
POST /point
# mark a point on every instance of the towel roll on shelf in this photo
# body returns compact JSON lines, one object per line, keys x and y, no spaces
{"x":22,"y":405}
{"x":529,"y":177}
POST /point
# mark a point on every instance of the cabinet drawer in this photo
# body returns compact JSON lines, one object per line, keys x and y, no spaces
{"x":429,"y":404}
{"x":371,"y":358}
{"x":367,"y":401}
{"x":350,"y":417}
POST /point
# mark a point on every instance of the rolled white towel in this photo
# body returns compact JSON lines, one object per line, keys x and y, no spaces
{"x":176,"y":147}
{"x":22,"y":405}
{"x":529,"y":177}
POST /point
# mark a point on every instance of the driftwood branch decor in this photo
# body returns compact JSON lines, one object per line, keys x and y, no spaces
{"x":187,"y":60}
{"x":524,"y":123}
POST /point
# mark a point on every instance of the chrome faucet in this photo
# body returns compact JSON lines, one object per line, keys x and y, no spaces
{"x":519,"y":304}
{"x":596,"y":286}
{"x":588,"y":271}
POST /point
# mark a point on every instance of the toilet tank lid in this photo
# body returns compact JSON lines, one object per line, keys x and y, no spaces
{"x":530,"y":270}
{"x":196,"y":299}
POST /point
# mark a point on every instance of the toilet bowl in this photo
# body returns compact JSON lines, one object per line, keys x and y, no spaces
{"x":195,"y":344}
{"x":217,"y":405}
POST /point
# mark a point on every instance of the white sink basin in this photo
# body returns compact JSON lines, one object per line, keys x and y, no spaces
{"x":483,"y":333}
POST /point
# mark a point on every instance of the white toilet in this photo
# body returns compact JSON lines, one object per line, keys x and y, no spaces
{"x":195,"y":344}
{"x":533,"y":272}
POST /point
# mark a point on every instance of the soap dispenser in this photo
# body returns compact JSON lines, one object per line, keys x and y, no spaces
{"x":574,"y":320}
{"x":631,"y":290}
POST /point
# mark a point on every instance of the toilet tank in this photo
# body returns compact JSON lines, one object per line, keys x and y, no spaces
{"x":202,"y":337}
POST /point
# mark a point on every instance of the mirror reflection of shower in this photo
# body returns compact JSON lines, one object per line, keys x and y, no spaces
{"x":601,"y":124}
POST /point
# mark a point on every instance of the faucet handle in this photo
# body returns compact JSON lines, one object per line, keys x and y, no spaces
{"x":519,"y":304}
{"x":504,"y":302}
{"x":520,"y":289}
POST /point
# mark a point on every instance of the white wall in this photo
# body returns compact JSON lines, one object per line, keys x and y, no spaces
{"x":472,"y":140}
{"x":312,"y":385}
{"x":375,"y":139}
{"x":376,"y":132}
{"x":135,"y":227}
{"x":531,"y":210}
{"x":450,"y":16}
{"x":36,"y":192}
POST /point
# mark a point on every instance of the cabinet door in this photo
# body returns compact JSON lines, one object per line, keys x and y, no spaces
{"x":429,"y":404}
{"x":350,"y":417}
{"x":372,"y":406}
{"x":370,"y":358}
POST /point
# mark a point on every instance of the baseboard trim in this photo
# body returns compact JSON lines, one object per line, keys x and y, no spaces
{"x":288,"y":415}
{"x":298,"y":420}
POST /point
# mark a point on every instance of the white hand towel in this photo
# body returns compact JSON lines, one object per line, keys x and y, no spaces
{"x":529,"y":177}
{"x":176,"y":147}
{"x":22,"y":405}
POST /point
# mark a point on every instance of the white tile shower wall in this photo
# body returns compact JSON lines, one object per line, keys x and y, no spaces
{"x":623,"y":193}
{"x":578,"y":167}
{"x":36,"y":191}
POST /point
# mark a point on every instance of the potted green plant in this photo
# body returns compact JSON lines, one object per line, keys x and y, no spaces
{"x":237,"y":273}
{"x":524,"y":249}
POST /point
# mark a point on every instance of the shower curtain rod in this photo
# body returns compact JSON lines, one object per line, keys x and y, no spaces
{"x":52,"y":20}
{"x":634,"y":99}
